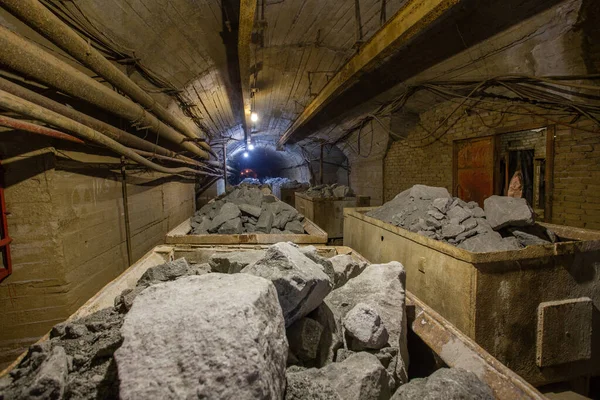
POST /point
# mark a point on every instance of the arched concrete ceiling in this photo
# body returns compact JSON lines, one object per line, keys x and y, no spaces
{"x":182,"y":41}
{"x":302,"y":44}
{"x":297,"y":45}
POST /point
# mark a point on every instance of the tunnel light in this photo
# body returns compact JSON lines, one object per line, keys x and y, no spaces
{"x":254,"y":117}
{"x":245,"y":154}
{"x":250,"y":146}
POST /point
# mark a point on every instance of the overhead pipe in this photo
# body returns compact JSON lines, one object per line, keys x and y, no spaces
{"x":28,"y":59}
{"x":37,"y":129}
{"x":15,"y":104}
{"x":125,"y":138}
{"x":45,"y":131}
{"x":42,"y":20}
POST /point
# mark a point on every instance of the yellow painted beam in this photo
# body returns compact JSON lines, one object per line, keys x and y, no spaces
{"x":414,"y":17}
{"x":247,"y":17}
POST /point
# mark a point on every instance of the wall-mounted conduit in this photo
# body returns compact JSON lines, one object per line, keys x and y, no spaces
{"x":5,"y":240}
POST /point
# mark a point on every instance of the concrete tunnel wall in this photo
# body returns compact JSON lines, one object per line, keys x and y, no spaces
{"x":296,"y":162}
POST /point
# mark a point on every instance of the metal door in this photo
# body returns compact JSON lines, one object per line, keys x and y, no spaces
{"x":474,"y":169}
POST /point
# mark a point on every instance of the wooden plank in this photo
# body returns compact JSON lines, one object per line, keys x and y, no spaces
{"x":414,"y":17}
{"x":247,"y":17}
{"x":180,"y":235}
{"x":459,"y":351}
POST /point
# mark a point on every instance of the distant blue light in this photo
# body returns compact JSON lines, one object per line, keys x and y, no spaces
{"x":245,"y":154}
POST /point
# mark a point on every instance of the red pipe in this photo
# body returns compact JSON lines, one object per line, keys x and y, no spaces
{"x":34,"y":128}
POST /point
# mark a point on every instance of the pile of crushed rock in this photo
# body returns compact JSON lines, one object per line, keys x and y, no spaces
{"x":246,"y":209}
{"x":292,"y":325}
{"x":251,"y":181}
{"x":329,"y":191}
{"x":505,"y":223}
{"x":286,"y":183}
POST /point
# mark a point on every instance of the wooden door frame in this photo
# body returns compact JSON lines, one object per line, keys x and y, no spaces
{"x":549,"y":168}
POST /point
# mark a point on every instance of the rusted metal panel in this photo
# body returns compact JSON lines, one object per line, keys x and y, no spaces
{"x":474,"y":169}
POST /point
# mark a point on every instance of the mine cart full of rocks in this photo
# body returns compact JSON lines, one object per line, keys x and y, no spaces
{"x":529,"y":293}
{"x":324,"y":204}
{"x":285,"y":189}
{"x":246,"y":214}
{"x":297,"y":323}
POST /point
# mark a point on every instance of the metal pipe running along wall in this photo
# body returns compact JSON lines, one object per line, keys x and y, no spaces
{"x":125,"y":138}
{"x":37,"y":129}
{"x":38,"y":17}
{"x":28,"y":59}
{"x":26,"y":108}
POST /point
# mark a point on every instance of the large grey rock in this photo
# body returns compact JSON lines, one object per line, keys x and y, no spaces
{"x":51,"y":378}
{"x":424,"y":192}
{"x":300,"y":282}
{"x":201,"y":225}
{"x":502,"y":211}
{"x":447,"y":384}
{"x":331,"y":337}
{"x":309,"y":384}
{"x":231,"y":227}
{"x":488,"y":242}
{"x":210,"y":336}
{"x":459,"y":213}
{"x":452,"y":230}
{"x":382,"y":287}
{"x":250,"y":209}
{"x":442,"y":203}
{"x":345,"y":268}
{"x":304,"y":337}
{"x":312,"y":253}
{"x":359,"y":377}
{"x":228,"y":212}
{"x":531,"y":236}
{"x":232,"y":263}
{"x":295,"y":226}
{"x":265,"y":222}
{"x":168,"y":271}
{"x":364,"y":328}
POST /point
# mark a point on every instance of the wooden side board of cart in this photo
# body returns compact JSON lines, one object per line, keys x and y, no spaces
{"x":181,"y":235}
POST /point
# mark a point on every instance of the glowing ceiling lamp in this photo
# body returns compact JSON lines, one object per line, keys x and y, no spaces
{"x":245,"y":154}
{"x":250,"y":146}
{"x":254,"y":117}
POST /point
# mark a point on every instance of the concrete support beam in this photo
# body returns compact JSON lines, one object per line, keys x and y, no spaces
{"x":247,"y":17}
{"x":413,"y":18}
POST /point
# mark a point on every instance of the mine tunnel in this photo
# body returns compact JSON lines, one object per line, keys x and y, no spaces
{"x":300,"y":199}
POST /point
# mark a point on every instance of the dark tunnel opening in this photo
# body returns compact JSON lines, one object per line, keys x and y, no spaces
{"x":260,"y":163}
{"x":300,"y":163}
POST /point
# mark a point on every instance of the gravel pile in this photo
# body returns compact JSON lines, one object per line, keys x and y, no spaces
{"x":250,"y":181}
{"x":505,"y":223}
{"x":329,"y":191}
{"x":291,"y":325}
{"x":247,"y":209}
{"x":285,"y":183}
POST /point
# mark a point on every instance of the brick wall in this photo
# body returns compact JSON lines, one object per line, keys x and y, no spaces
{"x":425,"y":160}
{"x":69,"y":238}
{"x":366,"y":161}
